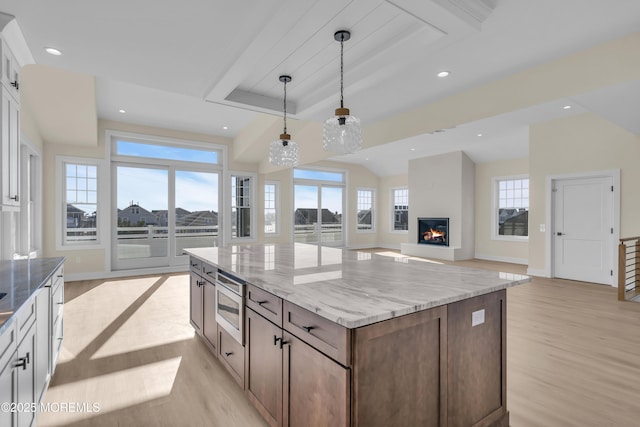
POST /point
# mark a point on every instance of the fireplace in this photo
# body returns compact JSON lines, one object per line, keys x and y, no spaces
{"x":433,"y":231}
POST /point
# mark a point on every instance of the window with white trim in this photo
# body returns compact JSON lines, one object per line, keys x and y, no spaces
{"x":271,"y":202}
{"x":79,"y":203}
{"x":511,"y":208}
{"x":241,"y":201}
{"x":400,"y":216}
{"x":364,"y":210}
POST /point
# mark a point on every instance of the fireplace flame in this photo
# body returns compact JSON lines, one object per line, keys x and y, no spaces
{"x":433,"y":234}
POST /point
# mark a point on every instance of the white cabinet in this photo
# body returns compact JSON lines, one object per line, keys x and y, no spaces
{"x":29,"y":348}
{"x":10,"y":71}
{"x":8,"y":374}
{"x":10,"y":132}
{"x":10,"y":138}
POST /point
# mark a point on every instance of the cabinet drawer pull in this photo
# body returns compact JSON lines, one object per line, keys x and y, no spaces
{"x":261,"y":302}
{"x":276,"y":339}
{"x":228,"y":353}
{"x":199,"y":283}
{"x":16,"y":198}
{"x":308,"y":328}
{"x":22,"y":362}
{"x":283,"y":343}
{"x":194,"y":264}
{"x":16,"y":85}
{"x":60,"y":275}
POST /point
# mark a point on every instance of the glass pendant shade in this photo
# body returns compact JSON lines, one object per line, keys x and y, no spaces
{"x":342,"y":133}
{"x":283,"y":152}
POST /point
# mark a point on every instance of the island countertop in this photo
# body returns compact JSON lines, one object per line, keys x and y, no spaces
{"x":353,"y":288}
{"x":19,"y":279}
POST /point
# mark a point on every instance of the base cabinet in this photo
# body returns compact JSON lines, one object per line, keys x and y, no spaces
{"x":290,"y":382}
{"x":26,"y":366}
{"x":196,"y":296}
{"x":263,"y":366}
{"x":316,"y":389}
{"x":209,"y":324}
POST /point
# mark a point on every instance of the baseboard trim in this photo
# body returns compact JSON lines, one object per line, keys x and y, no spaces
{"x":523,"y":261}
{"x":537,"y":272}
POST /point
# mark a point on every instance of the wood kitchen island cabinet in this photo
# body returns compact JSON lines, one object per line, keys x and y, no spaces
{"x":367,"y":341}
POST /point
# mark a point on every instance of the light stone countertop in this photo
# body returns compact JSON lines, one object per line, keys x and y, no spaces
{"x":349,"y":287}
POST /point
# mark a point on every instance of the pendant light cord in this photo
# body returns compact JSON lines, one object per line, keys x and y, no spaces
{"x":342,"y":72}
{"x":285,"y":107}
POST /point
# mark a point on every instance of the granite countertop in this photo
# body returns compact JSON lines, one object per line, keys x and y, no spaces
{"x":19,"y":280}
{"x":353,"y":288}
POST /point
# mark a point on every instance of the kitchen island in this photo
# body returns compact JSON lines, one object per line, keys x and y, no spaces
{"x":336,"y":337}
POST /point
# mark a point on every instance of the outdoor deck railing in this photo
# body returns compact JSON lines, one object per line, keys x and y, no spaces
{"x":628,"y":268}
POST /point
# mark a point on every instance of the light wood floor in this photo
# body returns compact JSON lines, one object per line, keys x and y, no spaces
{"x":573,"y":357}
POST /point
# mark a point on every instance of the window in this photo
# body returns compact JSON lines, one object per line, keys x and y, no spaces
{"x":511,"y":208}
{"x":271,"y":208}
{"x":79,"y":203}
{"x":241,"y":201}
{"x":400,"y":209}
{"x":162,"y":151}
{"x":364,"y":210}
{"x":318,"y":175}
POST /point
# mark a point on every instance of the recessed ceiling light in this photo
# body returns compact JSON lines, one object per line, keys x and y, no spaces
{"x":366,"y":158}
{"x":444,"y":74}
{"x":52,"y":51}
{"x":122,"y":111}
{"x":413,"y":149}
{"x":567,"y":107}
{"x":479,"y":134}
{"x":225,"y":127}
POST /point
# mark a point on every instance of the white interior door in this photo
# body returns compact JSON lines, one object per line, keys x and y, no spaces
{"x":583,"y":229}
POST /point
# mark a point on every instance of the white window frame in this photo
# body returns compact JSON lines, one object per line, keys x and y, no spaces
{"x":61,"y":210}
{"x":393,"y":210}
{"x":31,"y":200}
{"x":373,"y":210}
{"x":276,"y":206}
{"x":495,"y":181}
{"x":320,"y":183}
{"x":253,"y":207}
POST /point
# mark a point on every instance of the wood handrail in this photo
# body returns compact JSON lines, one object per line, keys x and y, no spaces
{"x":629,"y":238}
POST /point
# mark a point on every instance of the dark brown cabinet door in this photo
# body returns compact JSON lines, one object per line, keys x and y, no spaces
{"x":195,"y":305}
{"x":316,"y":389}
{"x":209,"y":325}
{"x":263,"y":366}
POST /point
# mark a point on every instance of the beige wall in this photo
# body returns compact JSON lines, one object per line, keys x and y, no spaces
{"x":486,"y":247}
{"x":582,"y":143}
{"x":387,"y":238}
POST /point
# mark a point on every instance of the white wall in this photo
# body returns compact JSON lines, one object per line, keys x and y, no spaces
{"x":582,"y":143}
{"x":486,"y":247}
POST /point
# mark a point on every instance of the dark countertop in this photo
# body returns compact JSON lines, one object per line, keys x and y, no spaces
{"x":19,"y":280}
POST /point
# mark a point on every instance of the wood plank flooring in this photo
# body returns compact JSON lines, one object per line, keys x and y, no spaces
{"x":573,"y":357}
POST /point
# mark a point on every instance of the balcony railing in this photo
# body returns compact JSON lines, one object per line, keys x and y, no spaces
{"x":629,"y":268}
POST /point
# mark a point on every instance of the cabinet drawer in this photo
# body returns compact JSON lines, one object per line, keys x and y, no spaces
{"x":58,"y":277}
{"x":195,"y":265}
{"x":8,"y":343}
{"x":25,"y":317}
{"x":209,"y":272}
{"x":57,"y":300}
{"x":264,"y":303}
{"x":326,"y":336}
{"x":231,"y":355}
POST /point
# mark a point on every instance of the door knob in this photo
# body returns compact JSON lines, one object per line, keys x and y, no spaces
{"x":560,"y":234}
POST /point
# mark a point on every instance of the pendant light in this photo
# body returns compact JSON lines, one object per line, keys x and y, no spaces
{"x":284,"y":151}
{"x":341,"y":133}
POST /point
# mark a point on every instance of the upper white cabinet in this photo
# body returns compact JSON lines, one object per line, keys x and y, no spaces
{"x":10,"y":131}
{"x":10,"y":71}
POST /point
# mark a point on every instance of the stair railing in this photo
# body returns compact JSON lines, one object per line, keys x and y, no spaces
{"x":628,"y":268}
